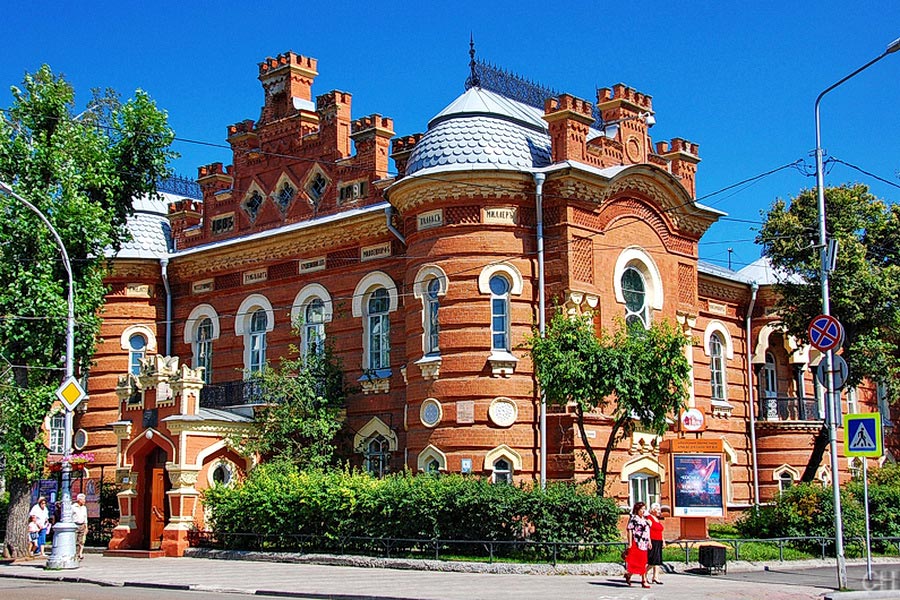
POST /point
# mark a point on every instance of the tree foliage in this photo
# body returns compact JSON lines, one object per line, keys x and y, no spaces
{"x":82,"y":171}
{"x":637,"y":377}
{"x":304,"y":399}
{"x":865,"y":284}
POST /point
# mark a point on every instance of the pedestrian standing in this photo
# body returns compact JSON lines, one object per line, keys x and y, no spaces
{"x":42,"y":515}
{"x":33,"y":530}
{"x":654,"y":557}
{"x":79,"y":517}
{"x":638,"y":530}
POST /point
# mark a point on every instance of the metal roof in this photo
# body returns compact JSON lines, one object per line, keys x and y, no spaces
{"x":149,"y":227}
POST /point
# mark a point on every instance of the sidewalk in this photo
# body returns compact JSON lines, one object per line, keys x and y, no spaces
{"x":320,"y":582}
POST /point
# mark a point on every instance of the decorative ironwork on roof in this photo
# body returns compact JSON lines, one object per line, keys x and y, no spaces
{"x":515,"y":87}
{"x":180,"y":186}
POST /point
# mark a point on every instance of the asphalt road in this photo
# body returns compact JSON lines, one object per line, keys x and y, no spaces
{"x":884,"y":577}
{"x":23,"y":589}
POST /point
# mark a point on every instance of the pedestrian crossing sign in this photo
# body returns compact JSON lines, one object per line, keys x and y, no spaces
{"x":862,"y":435}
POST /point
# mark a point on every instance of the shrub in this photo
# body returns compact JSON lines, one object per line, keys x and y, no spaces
{"x":884,"y":501}
{"x":803,"y":510}
{"x":277,"y":500}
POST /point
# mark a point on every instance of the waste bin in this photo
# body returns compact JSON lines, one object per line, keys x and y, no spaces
{"x":712,"y":558}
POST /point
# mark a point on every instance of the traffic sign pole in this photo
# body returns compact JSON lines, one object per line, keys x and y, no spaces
{"x":866,"y":509}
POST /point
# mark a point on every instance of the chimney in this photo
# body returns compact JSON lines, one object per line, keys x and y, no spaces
{"x":569,"y":119}
{"x":284,"y":78}
{"x":372,"y":136}
{"x":683,"y":157}
{"x":401,"y":148}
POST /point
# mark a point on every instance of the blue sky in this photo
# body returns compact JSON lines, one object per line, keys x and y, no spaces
{"x":738,"y":78}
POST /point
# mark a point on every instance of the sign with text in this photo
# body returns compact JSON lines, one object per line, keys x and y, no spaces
{"x":700,"y":446}
{"x":374,"y":252}
{"x":500,"y":216}
{"x":697,"y":481}
{"x":257,"y":276}
{"x":430,"y":219}
{"x":312,"y":264}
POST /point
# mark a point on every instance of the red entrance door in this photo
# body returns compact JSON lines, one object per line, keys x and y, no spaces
{"x":156,"y":509}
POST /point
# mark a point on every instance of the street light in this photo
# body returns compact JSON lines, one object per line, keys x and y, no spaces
{"x":832,"y":404}
{"x":63,"y":553}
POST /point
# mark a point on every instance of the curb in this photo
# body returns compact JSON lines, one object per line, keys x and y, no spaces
{"x":866,"y":595}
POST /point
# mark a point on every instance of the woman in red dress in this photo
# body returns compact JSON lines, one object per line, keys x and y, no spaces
{"x":654,"y":557}
{"x":638,"y":545}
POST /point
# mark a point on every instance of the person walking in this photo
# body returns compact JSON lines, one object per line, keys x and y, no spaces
{"x":638,"y":530}
{"x":42,"y":517}
{"x":654,"y":557}
{"x":79,"y":517}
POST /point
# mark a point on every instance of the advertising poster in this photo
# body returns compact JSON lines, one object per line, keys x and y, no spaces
{"x":91,"y":489}
{"x":698,"y":485}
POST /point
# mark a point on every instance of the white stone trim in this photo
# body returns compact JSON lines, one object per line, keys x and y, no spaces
{"x":373,"y":427}
{"x":643,"y":464}
{"x":778,"y":471}
{"x":200,"y":312}
{"x":716,"y":326}
{"x":151,"y":435}
{"x":369,"y":282}
{"x":245,"y":314}
{"x":306,"y":295}
{"x":142,"y":330}
{"x":427,"y":402}
{"x":424,"y":275}
{"x":431,"y":453}
{"x":636,"y":257}
{"x":502,"y":451}
{"x":498,"y":419}
{"x":516,"y":283}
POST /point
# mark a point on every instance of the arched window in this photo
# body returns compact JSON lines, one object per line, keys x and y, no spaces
{"x":379,"y":326}
{"x":137,"y":346}
{"x":432,"y":327}
{"x":856,"y":467}
{"x":503,"y":471}
{"x":258,"y":326}
{"x":717,"y":367}
{"x":314,"y":328}
{"x":57,"y":433}
{"x":643,"y":487}
{"x":433,"y":466}
{"x":770,"y":379}
{"x":634,"y":290}
{"x":785,"y":480}
{"x":377,"y":456}
{"x":203,"y":348}
{"x":500,"y":287}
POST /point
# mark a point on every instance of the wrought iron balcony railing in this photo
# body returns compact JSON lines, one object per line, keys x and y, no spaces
{"x":785,"y":408}
{"x":231,"y":393}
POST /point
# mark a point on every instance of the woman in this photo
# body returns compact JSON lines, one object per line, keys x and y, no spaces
{"x":654,"y":557}
{"x":638,"y":545}
{"x":42,"y":515}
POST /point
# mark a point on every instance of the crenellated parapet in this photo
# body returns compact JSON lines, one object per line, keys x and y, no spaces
{"x":372,"y":135}
{"x":401,"y":148}
{"x":683,"y":157}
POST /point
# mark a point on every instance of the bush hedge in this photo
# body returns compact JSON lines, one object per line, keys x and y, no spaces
{"x":278,"y":500}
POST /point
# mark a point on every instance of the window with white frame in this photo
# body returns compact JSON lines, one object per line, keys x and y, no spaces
{"x":503,"y":471}
{"x":57,"y":433}
{"x":222,"y":474}
{"x":314,"y":328}
{"x":634,"y":290}
{"x":717,"y":367}
{"x":137,"y":344}
{"x":432,"y":326}
{"x":770,"y":378}
{"x":856,"y":467}
{"x":203,"y":348}
{"x":785,"y":481}
{"x":852,"y":401}
{"x":643,"y":487}
{"x":377,"y":456}
{"x":433,"y":466}
{"x":259,"y":324}
{"x":379,"y":329}
{"x":500,"y":287}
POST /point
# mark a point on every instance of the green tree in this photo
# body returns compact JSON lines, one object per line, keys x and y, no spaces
{"x":864,"y":286}
{"x":638,"y":376}
{"x":304,"y":398}
{"x":82,"y":171}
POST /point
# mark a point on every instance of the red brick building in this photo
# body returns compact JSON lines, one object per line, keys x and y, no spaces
{"x":426,"y":282}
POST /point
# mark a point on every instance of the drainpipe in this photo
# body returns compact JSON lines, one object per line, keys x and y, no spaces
{"x":388,"y":213}
{"x":164,"y":264}
{"x":539,"y":208}
{"x":754,"y":288}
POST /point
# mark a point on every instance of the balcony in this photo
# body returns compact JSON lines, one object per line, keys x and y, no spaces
{"x":788,"y":409}
{"x":231,"y":393}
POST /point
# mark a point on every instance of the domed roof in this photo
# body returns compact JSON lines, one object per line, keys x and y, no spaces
{"x":483,"y":130}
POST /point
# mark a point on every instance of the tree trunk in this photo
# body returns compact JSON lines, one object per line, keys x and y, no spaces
{"x":610,"y":444}
{"x":16,"y":544}
{"x":815,"y":458}
{"x":599,"y":479}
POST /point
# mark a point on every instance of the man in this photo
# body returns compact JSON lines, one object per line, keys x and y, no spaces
{"x":79,"y":517}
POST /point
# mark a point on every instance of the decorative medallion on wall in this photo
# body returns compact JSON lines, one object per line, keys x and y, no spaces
{"x":431,"y":412}
{"x":503,"y":412}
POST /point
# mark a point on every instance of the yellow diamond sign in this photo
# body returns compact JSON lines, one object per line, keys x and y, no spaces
{"x":70,"y":393}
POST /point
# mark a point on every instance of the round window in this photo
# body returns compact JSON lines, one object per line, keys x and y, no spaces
{"x":431,"y":412}
{"x":503,"y":412}
{"x":221,"y":475}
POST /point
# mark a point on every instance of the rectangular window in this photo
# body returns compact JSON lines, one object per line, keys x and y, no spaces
{"x":379,"y":342}
{"x":204,"y":359}
{"x":499,"y":324}
{"x":717,"y":370}
{"x":257,"y":352}
{"x":57,"y":433}
{"x":644,"y":489}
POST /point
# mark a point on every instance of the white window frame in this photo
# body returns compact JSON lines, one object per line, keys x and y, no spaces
{"x":377,"y":463}
{"x":643,"y":487}
{"x":782,"y":474}
{"x":770,"y":376}
{"x":203,"y":349}
{"x":503,"y":452}
{"x":500,"y":309}
{"x":57,"y":432}
{"x":360,"y":309}
{"x":243,"y":322}
{"x":502,"y":471}
{"x":192,"y":336}
{"x":637,"y":258}
{"x":310,"y":294}
{"x":259,"y":323}
{"x":135,"y":355}
{"x":718,"y":377}
{"x":424,"y":290}
{"x":642,"y":314}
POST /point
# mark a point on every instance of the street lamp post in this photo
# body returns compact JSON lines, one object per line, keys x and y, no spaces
{"x":832,"y":403}
{"x":63,"y":553}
